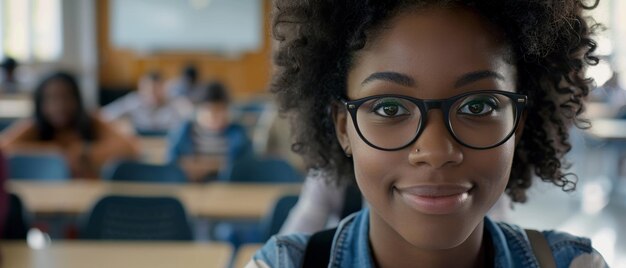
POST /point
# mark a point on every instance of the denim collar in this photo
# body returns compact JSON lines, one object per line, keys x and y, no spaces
{"x":351,"y":246}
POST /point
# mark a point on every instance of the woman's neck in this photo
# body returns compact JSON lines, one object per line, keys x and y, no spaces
{"x":389,"y":249}
{"x":66,"y":134}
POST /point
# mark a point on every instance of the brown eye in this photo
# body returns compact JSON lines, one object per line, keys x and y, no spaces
{"x":477,"y":107}
{"x":389,"y":107}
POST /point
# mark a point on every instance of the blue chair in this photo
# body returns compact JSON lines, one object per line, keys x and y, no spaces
{"x":38,"y":166}
{"x":254,"y":170}
{"x":127,"y":170}
{"x":150,"y":133}
{"x":16,"y":224}
{"x":137,"y":218}
{"x":6,"y":122}
{"x":271,"y":224}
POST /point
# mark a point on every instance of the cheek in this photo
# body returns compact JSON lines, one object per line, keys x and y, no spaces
{"x":492,"y":168}
{"x":373,"y":168}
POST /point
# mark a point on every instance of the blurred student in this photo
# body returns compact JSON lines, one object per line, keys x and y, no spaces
{"x":8,"y":77}
{"x":186,"y":86}
{"x":61,"y":124}
{"x":209,"y":141}
{"x":149,"y":109}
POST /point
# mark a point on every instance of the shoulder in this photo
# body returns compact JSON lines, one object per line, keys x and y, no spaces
{"x":235,"y":127}
{"x":574,"y":250}
{"x":281,"y":251}
{"x":568,"y":250}
{"x":99,"y":125}
{"x":236,"y":131}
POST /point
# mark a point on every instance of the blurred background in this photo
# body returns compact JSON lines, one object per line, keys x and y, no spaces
{"x":150,"y":121}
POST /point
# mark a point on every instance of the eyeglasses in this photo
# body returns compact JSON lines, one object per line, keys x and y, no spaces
{"x":478,"y":120}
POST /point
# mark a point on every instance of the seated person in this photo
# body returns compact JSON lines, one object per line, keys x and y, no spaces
{"x":61,"y":124}
{"x":149,"y":109}
{"x":186,"y":86}
{"x":205,"y":143}
{"x":8,"y":82}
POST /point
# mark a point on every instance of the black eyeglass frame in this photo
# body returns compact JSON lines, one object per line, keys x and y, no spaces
{"x":424,"y":105}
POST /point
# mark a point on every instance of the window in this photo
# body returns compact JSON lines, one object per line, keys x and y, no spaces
{"x":30,"y":30}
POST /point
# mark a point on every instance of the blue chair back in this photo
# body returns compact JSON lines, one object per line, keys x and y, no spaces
{"x":38,"y":166}
{"x":271,"y":224}
{"x":127,"y":170}
{"x":150,"y":133}
{"x":16,"y":225}
{"x":137,"y":218}
{"x":254,"y":170}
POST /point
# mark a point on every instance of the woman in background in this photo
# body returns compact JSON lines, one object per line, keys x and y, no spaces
{"x":61,"y":124}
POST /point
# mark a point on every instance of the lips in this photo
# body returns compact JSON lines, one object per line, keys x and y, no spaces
{"x":436,"y":199}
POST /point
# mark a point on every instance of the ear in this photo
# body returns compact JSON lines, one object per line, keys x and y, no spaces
{"x":520,"y":128}
{"x":340,"y":119}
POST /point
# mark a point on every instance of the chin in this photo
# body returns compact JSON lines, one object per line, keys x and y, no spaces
{"x":437,"y":241}
{"x":437,"y":234}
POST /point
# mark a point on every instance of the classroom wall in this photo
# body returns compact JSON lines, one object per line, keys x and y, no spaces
{"x":247,"y":74}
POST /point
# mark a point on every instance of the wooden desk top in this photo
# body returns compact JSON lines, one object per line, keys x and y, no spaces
{"x":597,"y":110}
{"x":244,"y":254}
{"x":14,"y":107}
{"x":69,"y":254}
{"x":212,"y":200}
{"x":609,"y":129}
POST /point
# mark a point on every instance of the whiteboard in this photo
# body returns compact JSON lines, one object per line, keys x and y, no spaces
{"x":231,"y":26}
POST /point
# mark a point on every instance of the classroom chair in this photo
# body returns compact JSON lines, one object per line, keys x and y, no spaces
{"x":128,"y":170}
{"x":16,"y":225}
{"x":150,"y":133}
{"x":137,"y":218}
{"x":271,"y":170}
{"x":274,"y":220}
{"x":238,"y":233}
{"x":38,"y":166}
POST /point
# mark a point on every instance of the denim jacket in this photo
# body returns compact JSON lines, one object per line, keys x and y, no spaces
{"x":351,"y":248}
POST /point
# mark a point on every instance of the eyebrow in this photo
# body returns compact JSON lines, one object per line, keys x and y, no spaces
{"x":393,"y":77}
{"x":475,"y":76}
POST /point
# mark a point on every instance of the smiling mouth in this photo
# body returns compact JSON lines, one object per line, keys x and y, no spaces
{"x":436,"y":199}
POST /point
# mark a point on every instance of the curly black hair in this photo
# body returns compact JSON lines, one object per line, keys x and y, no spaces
{"x":551,"y":44}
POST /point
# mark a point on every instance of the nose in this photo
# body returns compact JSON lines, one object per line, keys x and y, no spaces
{"x":435,"y":147}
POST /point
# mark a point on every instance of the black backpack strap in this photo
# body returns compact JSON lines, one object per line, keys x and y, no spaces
{"x":318,"y":248}
{"x":541,"y":248}
{"x":353,"y":201}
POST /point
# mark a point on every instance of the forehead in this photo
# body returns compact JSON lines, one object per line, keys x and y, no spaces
{"x":214,"y":105}
{"x":434,"y":46}
{"x":56,"y":86}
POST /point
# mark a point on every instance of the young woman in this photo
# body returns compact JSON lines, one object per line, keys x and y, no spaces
{"x":435,"y":108}
{"x":61,"y":124}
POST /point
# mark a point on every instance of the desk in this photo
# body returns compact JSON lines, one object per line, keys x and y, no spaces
{"x":594,"y":110}
{"x":212,"y":200}
{"x":15,"y":106}
{"x":69,"y":254}
{"x":608,"y":129}
{"x":244,"y":254}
